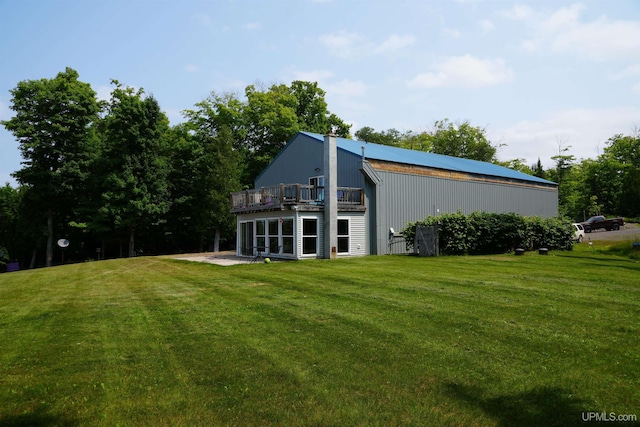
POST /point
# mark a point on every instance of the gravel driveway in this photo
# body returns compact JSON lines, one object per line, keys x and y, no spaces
{"x":629,"y":232}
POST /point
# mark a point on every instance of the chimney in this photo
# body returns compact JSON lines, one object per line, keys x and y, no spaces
{"x":330,"y":197}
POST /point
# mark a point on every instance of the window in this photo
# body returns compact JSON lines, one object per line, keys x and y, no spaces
{"x":287,"y":236}
{"x":309,"y":236}
{"x":274,"y":248}
{"x":343,"y":236}
{"x":317,"y":181}
{"x":260,"y":232}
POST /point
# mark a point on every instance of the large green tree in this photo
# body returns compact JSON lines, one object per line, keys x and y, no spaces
{"x":205,"y":169}
{"x":462,"y":140}
{"x":135,"y":193}
{"x":53,"y":125}
{"x":391,"y":137}
{"x":272,"y":117}
{"x":458,"y":140}
{"x":615,"y":178}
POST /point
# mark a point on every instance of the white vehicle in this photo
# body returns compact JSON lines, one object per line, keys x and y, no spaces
{"x":579,"y":232}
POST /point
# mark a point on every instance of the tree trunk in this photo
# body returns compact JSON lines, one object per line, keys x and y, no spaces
{"x":132,"y":249}
{"x":216,"y":241}
{"x":49,"y":237}
{"x":33,"y":259}
{"x":201,"y":247}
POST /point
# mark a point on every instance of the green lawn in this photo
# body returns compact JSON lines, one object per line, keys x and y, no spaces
{"x":486,"y":340}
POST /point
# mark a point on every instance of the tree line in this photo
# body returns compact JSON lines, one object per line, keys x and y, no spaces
{"x":609,"y":184}
{"x":115,"y":179}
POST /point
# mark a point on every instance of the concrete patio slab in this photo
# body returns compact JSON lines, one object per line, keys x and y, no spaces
{"x":224,"y":258}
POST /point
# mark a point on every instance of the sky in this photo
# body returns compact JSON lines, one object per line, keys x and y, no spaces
{"x":539,"y":76}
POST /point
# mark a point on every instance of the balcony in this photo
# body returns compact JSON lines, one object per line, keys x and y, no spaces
{"x":285,"y":196}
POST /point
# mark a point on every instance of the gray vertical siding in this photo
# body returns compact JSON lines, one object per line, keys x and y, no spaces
{"x":357,"y":233}
{"x":407,"y":198}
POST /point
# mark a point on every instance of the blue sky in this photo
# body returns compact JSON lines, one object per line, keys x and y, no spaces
{"x":536,"y":74}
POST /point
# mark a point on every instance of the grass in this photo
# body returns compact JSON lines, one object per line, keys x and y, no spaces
{"x":477,"y":341}
{"x":620,"y":248}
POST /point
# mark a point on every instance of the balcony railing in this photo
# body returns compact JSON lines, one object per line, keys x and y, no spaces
{"x":280,"y":196}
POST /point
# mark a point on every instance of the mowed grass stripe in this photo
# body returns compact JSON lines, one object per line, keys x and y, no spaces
{"x":371,"y":341}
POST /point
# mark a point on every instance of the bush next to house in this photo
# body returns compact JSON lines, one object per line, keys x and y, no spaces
{"x":492,"y":233}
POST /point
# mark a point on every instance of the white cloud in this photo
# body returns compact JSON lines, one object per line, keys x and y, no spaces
{"x":518,"y":12}
{"x":349,"y":45}
{"x":347,"y":88}
{"x":464,"y":71}
{"x":563,"y":32}
{"x":584,"y":130}
{"x":312,"y":76}
{"x":250,"y":26}
{"x":562,"y":18}
{"x":342,"y":88}
{"x":630,"y":71}
{"x":486,"y":25}
{"x":190,"y":68}
{"x":343,"y":44}
{"x":394,"y":43}
{"x":636,"y":88}
{"x":204,"y":19}
{"x":452,"y":33}
{"x":600,"y":39}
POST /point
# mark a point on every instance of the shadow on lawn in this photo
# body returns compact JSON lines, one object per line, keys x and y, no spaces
{"x":537,"y":407}
{"x":36,"y":419}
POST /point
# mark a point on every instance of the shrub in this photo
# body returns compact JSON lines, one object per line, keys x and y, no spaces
{"x":491,"y":233}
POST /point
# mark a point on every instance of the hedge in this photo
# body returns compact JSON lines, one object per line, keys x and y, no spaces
{"x":494,"y":233}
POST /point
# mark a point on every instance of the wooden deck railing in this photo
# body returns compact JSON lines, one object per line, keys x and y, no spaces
{"x":279,"y":196}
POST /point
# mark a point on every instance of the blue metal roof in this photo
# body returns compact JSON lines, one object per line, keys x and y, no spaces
{"x":431,"y":160}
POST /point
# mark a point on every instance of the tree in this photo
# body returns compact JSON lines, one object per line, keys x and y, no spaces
{"x":272,"y":118}
{"x":135,"y":192}
{"x":458,"y":140}
{"x":538,"y":170}
{"x":53,"y":127}
{"x":516,"y":164}
{"x":417,"y":141}
{"x":618,"y":186}
{"x":462,"y":140}
{"x":205,"y":170}
{"x":391,"y":137}
{"x":9,"y":206}
{"x":223,"y":178}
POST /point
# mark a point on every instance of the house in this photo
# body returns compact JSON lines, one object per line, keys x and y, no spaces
{"x":325,"y":197}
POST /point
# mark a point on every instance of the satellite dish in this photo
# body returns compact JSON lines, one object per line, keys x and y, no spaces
{"x":63,"y":243}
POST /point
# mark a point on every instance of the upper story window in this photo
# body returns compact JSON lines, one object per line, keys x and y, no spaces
{"x":317,"y":181}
